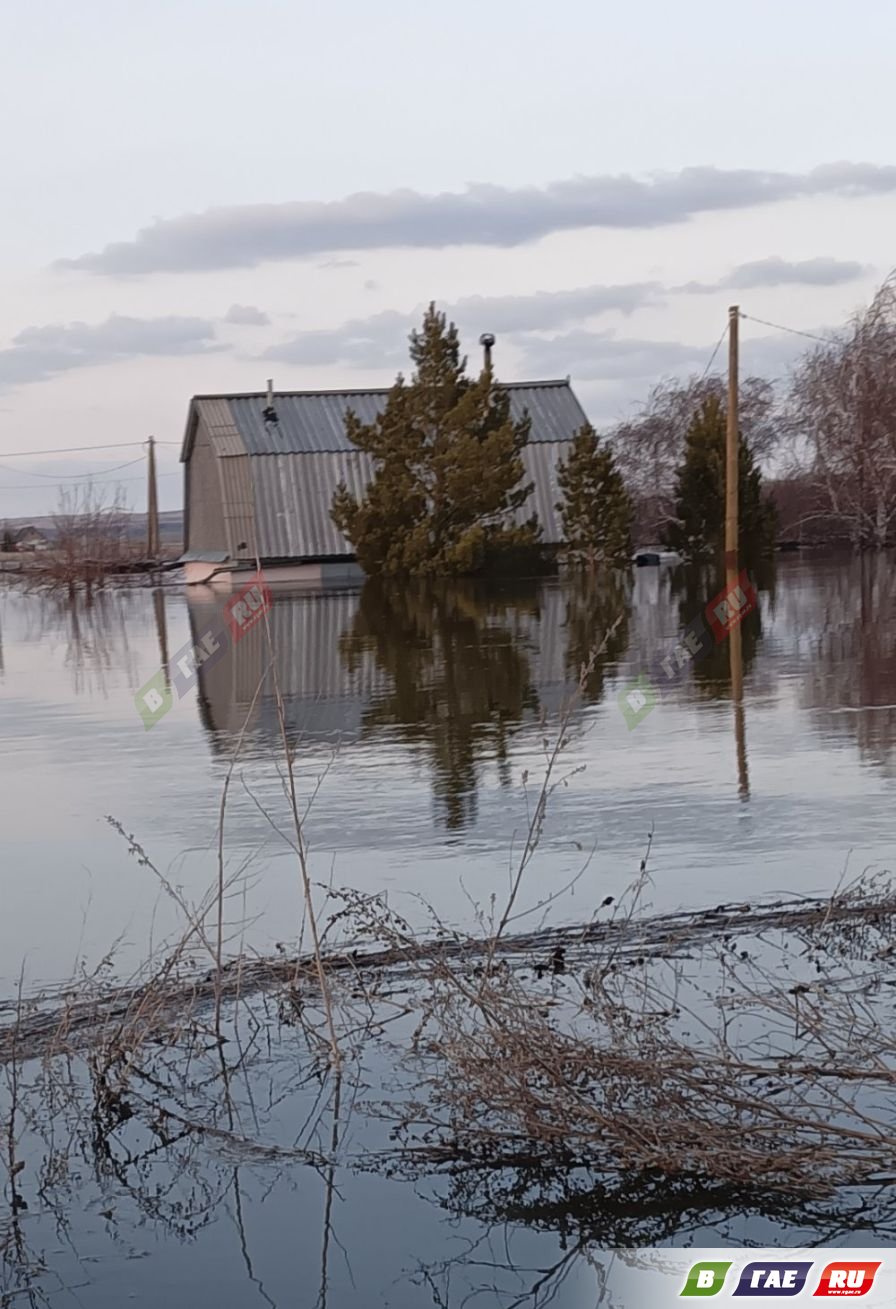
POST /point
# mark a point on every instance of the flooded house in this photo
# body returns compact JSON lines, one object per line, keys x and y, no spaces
{"x":261,"y":470}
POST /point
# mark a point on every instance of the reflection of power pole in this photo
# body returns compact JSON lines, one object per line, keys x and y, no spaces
{"x":158,"y":604}
{"x":152,"y":504}
{"x":736,"y":664}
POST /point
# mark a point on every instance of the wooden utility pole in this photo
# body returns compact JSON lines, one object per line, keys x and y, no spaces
{"x":152,"y":504}
{"x":732,"y":525}
{"x":731,"y":451}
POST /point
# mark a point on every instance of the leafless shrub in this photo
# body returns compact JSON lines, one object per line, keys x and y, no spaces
{"x":756,"y":1056}
{"x":89,"y":544}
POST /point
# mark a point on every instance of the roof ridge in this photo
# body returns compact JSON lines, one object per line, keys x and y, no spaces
{"x":363,"y":390}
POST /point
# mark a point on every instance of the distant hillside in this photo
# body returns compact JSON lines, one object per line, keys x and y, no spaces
{"x":171,"y":526}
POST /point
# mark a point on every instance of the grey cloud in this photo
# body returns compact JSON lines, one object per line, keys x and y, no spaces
{"x":340,"y":263}
{"x":376,"y":342}
{"x":775,"y":271}
{"x":544,"y":309}
{"x":381,"y":339}
{"x":246,"y":316}
{"x":38,"y":353}
{"x":246,"y":235}
{"x":595,"y":356}
{"x":602,"y":357}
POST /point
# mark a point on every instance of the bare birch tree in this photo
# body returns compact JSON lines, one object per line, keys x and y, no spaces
{"x":843,"y":418}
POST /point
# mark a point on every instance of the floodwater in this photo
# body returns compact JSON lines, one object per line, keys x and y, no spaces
{"x":421,"y":719}
{"x":416,"y":715}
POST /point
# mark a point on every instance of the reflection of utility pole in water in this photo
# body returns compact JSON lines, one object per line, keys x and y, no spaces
{"x":158,"y":604}
{"x":736,"y":663}
{"x":152,"y":504}
{"x":735,"y":647}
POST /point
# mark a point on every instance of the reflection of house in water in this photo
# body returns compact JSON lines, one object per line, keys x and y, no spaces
{"x":455,"y":670}
{"x":323,"y":700}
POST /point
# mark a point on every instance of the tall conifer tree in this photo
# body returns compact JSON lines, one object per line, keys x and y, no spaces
{"x":595,"y":511}
{"x":449,"y":475}
{"x":698,"y":530}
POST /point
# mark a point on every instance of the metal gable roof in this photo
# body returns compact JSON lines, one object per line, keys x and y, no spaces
{"x":313,"y":422}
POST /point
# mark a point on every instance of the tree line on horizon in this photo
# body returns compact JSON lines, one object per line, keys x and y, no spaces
{"x":449,"y":482}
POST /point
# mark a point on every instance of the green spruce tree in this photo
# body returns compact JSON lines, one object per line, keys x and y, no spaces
{"x":698,"y":529}
{"x":448,"y":478}
{"x":596,"y":511}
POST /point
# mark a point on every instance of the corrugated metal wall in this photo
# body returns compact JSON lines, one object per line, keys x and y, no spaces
{"x":282,"y":476}
{"x":293,"y":494}
{"x":205,"y":521}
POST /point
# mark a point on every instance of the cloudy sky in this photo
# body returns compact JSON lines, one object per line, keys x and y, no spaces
{"x":204,"y":193}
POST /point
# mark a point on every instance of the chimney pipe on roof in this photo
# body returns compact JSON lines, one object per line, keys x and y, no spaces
{"x":269,"y":413}
{"x":487,"y":340}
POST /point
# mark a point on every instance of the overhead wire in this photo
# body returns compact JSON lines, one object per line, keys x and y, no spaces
{"x":712,"y":357}
{"x":794,"y":331}
{"x":72,"y":449}
{"x":52,"y":486}
{"x":99,"y":472}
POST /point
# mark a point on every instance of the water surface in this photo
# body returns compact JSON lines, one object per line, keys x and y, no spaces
{"x":421,"y":719}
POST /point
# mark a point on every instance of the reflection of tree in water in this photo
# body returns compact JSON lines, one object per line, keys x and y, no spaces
{"x":94,"y":629}
{"x":693,"y":588}
{"x":651,"y":1208}
{"x":851,"y":680}
{"x":642,"y":1211}
{"x":593,"y":604}
{"x":646,"y":1211}
{"x":456,"y":655}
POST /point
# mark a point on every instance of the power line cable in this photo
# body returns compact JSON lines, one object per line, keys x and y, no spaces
{"x":71,"y":449}
{"x":794,"y":331}
{"x":99,"y":472}
{"x":52,"y":486}
{"x":712,"y":357}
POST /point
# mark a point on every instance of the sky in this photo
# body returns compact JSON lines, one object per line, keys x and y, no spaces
{"x":202,"y":194}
